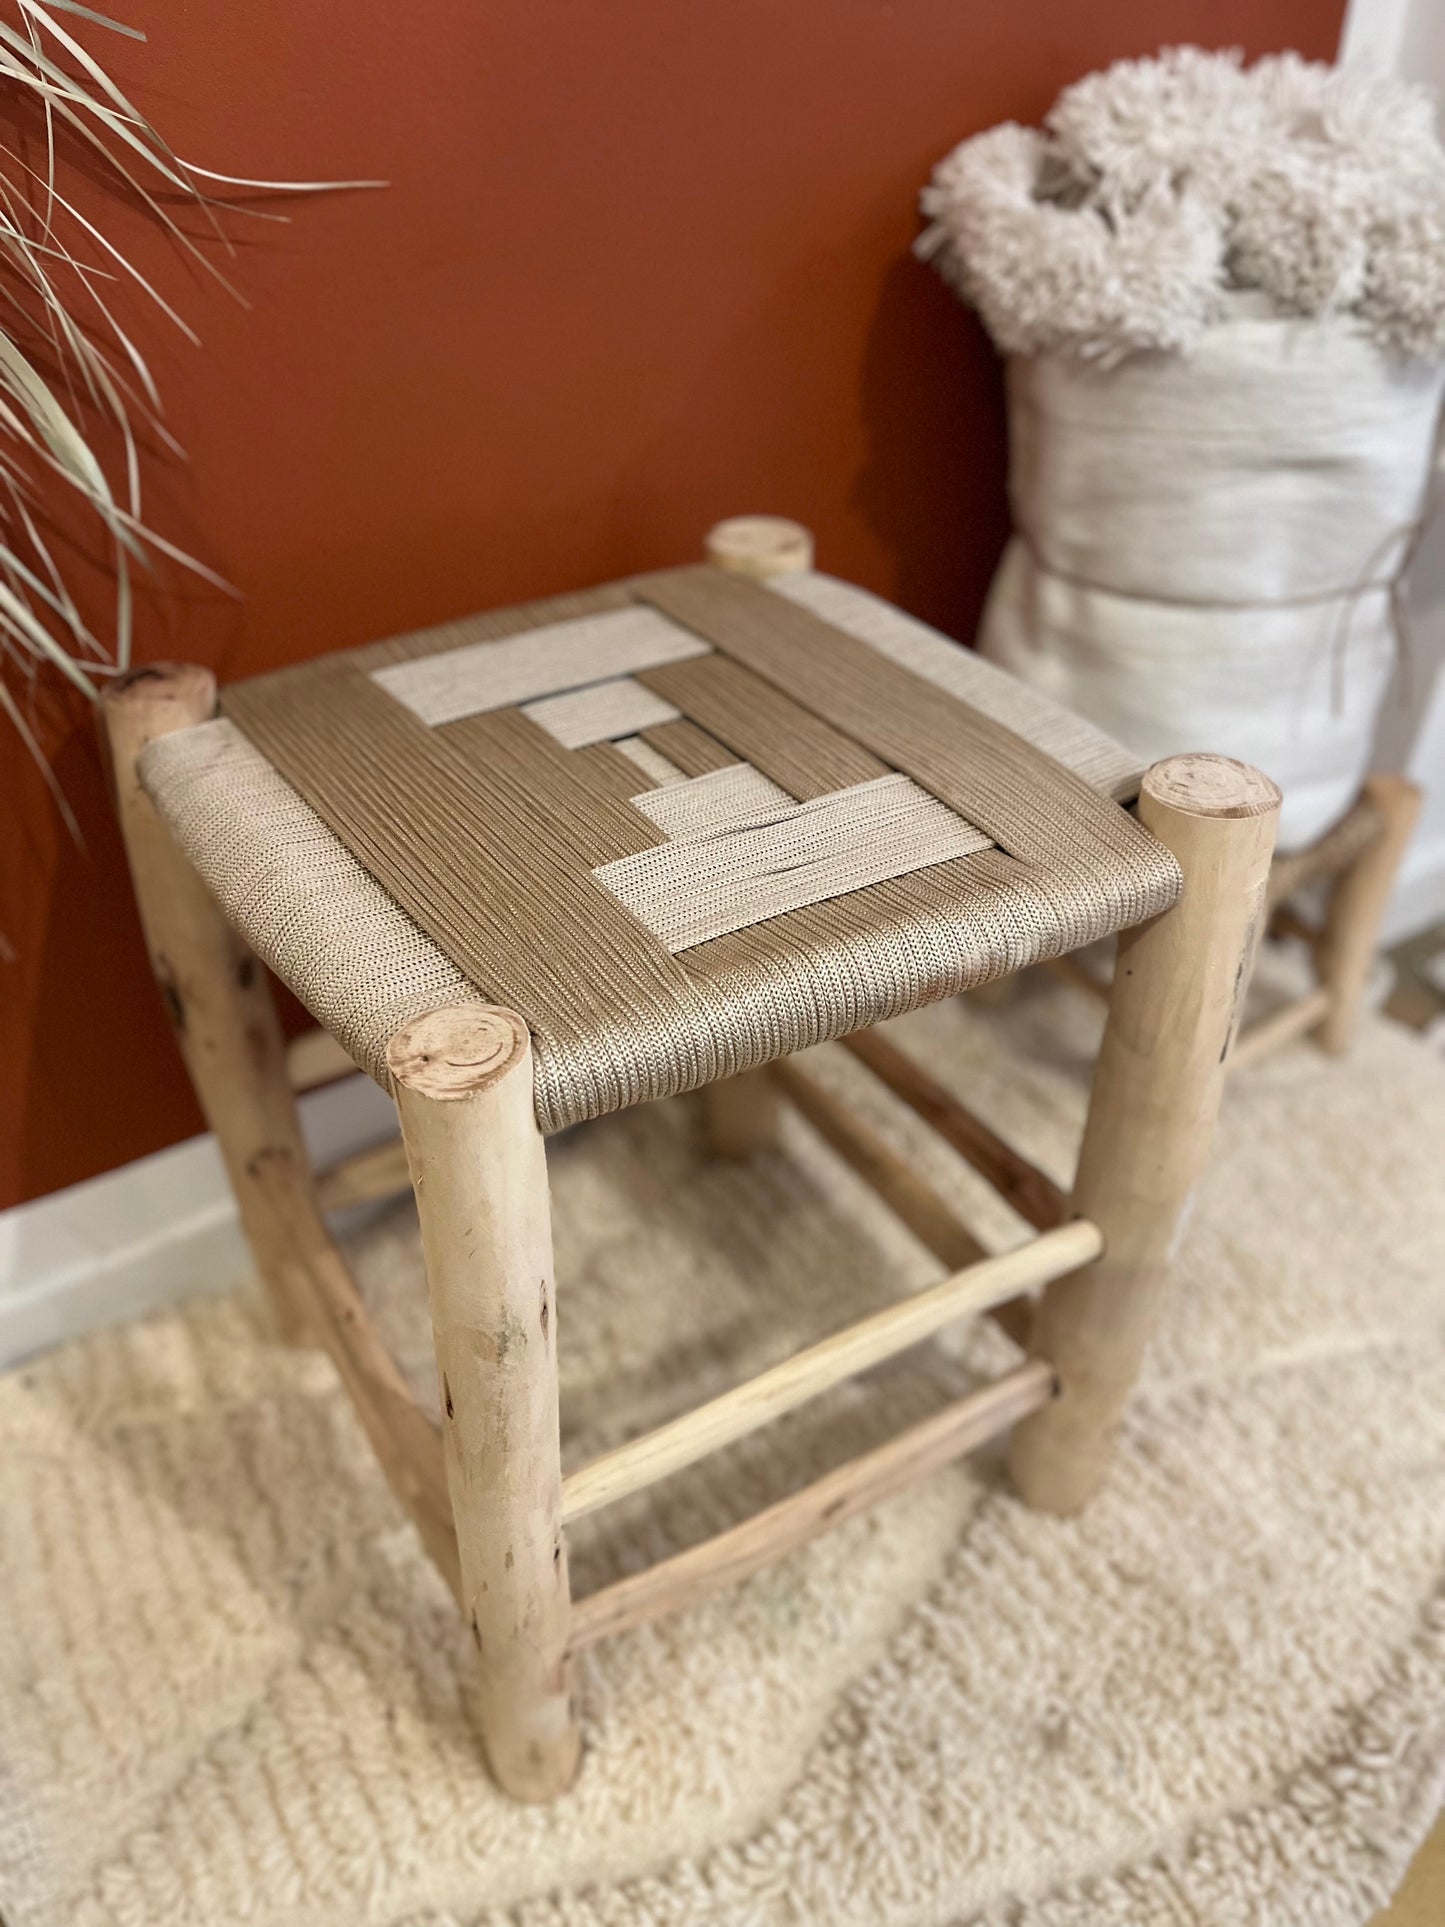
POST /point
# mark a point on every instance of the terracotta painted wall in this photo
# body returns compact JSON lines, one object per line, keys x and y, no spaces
{"x":640,"y":265}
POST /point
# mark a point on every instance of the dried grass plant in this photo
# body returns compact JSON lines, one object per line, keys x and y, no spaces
{"x":72,"y":375}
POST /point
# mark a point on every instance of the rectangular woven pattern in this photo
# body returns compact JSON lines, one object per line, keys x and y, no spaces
{"x":560,"y":656}
{"x":684,"y":824}
{"x":642,"y":753}
{"x":723,"y":799}
{"x":600,"y":713}
{"x":755,"y":862}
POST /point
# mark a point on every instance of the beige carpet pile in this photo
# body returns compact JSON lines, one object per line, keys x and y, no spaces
{"x":231,"y":1690}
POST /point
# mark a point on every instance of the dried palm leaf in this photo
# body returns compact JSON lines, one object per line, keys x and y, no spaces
{"x":70,"y":373}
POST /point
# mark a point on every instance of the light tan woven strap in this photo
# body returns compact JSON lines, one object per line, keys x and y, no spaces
{"x":741,"y":852}
{"x":686,"y":807}
{"x":627,"y":766}
{"x":535,"y":664}
{"x":1028,"y":804}
{"x":601,"y":713}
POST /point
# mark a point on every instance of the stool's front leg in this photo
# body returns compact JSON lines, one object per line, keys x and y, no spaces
{"x":463,"y":1080}
{"x":216,"y":992}
{"x":1179,"y":987}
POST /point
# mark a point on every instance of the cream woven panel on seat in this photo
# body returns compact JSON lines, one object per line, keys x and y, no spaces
{"x":723,"y":799}
{"x":561,"y":656}
{"x":616,"y":1017}
{"x":655,"y":766}
{"x":600,"y":713}
{"x":748,"y":860}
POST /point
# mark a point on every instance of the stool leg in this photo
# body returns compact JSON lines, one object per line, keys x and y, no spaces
{"x":1178,"y":991}
{"x":463,"y":1081}
{"x":216,"y":993}
{"x":1358,"y":903}
{"x":759,"y":546}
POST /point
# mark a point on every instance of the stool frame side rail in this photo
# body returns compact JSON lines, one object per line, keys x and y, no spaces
{"x":757,"y":1401}
{"x":381,"y":1170}
{"x":736,"y":1554}
{"x":485,"y":1487}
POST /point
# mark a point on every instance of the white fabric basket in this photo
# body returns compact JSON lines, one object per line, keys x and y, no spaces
{"x":1205,"y":545}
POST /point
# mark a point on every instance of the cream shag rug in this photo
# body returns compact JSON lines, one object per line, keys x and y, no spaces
{"x":234,"y":1691}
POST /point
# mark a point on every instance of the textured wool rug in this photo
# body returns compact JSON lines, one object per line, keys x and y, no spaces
{"x":232,"y":1690}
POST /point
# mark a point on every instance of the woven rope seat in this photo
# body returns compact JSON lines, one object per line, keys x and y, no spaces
{"x":683,"y":824}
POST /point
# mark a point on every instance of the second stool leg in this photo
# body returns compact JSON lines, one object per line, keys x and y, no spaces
{"x":216,"y":993}
{"x":463,"y":1080}
{"x":1179,"y":987}
{"x":1358,"y":903}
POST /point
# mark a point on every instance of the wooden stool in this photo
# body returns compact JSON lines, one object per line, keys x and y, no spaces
{"x":543,"y":864}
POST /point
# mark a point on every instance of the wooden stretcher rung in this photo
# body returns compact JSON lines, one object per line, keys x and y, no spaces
{"x":314,"y":1057}
{"x":406,"y":1440}
{"x":379,"y":1172}
{"x":1280,"y":1028}
{"x":853,"y":1488}
{"x":658,"y":1454}
{"x":1286,"y":921}
{"x":1069,"y":970}
{"x":1363,"y":825}
{"x":895,"y":1183}
{"x":1036,"y":1198}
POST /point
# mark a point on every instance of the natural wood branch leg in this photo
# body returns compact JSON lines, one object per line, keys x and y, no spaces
{"x":1179,"y":988}
{"x":1357,"y":909}
{"x":463,"y":1081}
{"x":759,"y":546}
{"x":215,"y":991}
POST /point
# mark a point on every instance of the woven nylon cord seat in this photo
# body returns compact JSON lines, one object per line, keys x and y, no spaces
{"x":684,"y":825}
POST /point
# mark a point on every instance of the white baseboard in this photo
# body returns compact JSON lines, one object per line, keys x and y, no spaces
{"x":161,"y":1229}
